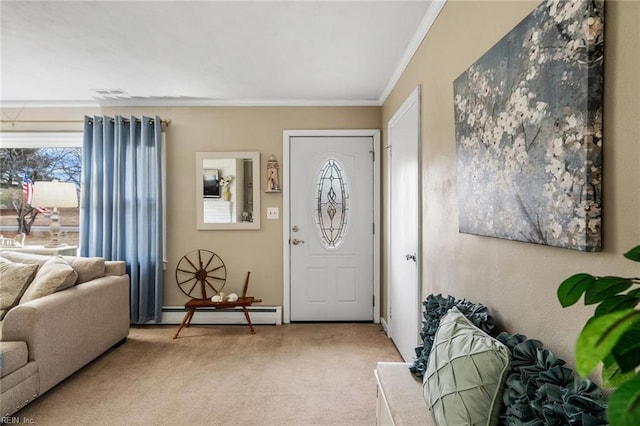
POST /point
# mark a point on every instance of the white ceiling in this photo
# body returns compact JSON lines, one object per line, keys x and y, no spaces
{"x":207,"y":52}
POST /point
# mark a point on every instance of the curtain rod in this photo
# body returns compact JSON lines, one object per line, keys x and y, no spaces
{"x":164,"y":121}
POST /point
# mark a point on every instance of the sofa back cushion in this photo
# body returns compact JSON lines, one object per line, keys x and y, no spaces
{"x":54,"y":275}
{"x":15,"y":277}
{"x":465,"y":375}
{"x":87,"y":268}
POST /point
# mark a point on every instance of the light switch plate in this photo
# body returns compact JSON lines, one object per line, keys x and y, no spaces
{"x":273,"y":213}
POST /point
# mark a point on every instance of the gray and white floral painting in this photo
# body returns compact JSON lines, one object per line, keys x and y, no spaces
{"x":528,"y":117}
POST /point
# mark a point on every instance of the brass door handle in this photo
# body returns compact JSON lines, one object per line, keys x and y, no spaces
{"x":296,"y":241}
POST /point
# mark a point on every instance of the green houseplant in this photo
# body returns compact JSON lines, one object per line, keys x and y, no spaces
{"x":610,"y":336}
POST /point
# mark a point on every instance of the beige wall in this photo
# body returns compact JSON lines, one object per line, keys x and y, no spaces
{"x":218,"y":129}
{"x":518,"y":281}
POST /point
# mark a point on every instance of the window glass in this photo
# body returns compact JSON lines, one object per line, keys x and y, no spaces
{"x":332,"y":205}
{"x":24,"y":160}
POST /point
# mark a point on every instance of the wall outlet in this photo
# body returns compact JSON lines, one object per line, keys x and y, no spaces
{"x":273,"y":213}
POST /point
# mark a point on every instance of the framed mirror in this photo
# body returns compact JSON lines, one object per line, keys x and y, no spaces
{"x":228,"y":190}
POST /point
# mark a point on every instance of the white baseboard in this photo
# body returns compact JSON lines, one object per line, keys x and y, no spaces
{"x":260,"y":315}
{"x":385,"y":327}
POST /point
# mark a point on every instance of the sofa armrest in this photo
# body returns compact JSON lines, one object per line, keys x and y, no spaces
{"x":115,"y":267}
{"x":68,"y":329}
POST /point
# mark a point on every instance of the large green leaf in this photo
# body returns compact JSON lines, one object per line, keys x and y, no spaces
{"x":633,"y":254}
{"x":627,"y":350}
{"x":618,"y":302}
{"x":605,"y":287}
{"x":612,"y":376}
{"x":599,"y":337}
{"x":571,"y":289}
{"x":624,"y":404}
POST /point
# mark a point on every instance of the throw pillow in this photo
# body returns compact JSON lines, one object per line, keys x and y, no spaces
{"x":15,"y":278}
{"x":56,"y":274}
{"x":436,"y":307}
{"x":88,"y":268}
{"x":465,"y":375}
{"x":540,"y":389}
{"x":26,"y":258}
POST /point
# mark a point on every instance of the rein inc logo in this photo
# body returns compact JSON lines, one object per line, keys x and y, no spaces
{"x":9,"y":420}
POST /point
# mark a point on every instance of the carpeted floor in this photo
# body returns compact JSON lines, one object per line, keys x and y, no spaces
{"x":294,"y":374}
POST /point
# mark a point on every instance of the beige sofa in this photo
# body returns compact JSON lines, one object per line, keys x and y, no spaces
{"x":45,"y":340}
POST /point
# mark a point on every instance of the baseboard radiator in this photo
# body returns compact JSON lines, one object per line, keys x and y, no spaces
{"x":260,"y":315}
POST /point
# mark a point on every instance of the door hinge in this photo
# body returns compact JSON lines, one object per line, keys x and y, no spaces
{"x":374,"y":300}
{"x":374,"y":228}
{"x":373,"y":155}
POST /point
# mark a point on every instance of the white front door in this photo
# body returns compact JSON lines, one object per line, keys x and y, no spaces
{"x":404,"y":227}
{"x":331,"y":226}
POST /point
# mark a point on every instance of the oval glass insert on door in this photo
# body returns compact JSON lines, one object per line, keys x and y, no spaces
{"x":332,"y":204}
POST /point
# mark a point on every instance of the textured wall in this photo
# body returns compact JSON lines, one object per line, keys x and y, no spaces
{"x":518,"y":281}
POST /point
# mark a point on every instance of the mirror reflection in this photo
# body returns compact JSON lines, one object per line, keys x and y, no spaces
{"x":227,"y":185}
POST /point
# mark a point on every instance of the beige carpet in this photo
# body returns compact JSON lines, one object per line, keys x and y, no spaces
{"x":295,"y":374}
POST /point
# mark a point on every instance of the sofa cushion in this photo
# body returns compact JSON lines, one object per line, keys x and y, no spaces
{"x":466,"y":373}
{"x":27,"y":258}
{"x":18,"y":389}
{"x":55,"y":275}
{"x":402,"y":394}
{"x":87,"y":268}
{"x":15,"y":278}
{"x":13,"y":355}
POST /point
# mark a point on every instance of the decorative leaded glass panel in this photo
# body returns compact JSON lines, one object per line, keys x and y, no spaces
{"x":332,"y":204}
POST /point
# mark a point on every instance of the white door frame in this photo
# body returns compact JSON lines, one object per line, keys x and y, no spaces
{"x":286,"y":222}
{"x":412,"y":99}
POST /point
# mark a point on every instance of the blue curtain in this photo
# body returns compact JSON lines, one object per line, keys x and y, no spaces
{"x":121,"y":203}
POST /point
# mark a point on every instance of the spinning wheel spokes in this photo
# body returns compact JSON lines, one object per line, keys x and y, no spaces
{"x":195,"y":268}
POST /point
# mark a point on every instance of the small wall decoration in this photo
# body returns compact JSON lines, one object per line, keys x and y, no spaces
{"x":528,"y":121}
{"x":273,"y":175}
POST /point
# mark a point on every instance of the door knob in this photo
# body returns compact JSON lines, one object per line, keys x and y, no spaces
{"x":411,"y":257}
{"x":296,"y":241}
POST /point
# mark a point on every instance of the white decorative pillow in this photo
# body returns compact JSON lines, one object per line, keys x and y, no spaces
{"x":15,"y":277}
{"x":466,"y":373}
{"x":56,"y":274}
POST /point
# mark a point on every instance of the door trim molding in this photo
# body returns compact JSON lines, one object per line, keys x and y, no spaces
{"x":412,"y":99}
{"x":286,"y":223}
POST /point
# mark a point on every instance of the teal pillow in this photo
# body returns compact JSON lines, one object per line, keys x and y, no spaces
{"x":541,"y":390}
{"x":465,"y":374}
{"x":436,"y":306}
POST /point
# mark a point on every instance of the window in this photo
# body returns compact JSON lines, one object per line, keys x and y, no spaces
{"x":29,"y":157}
{"x":331,"y":204}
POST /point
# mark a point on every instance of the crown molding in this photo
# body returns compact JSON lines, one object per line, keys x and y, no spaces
{"x":189,"y":103}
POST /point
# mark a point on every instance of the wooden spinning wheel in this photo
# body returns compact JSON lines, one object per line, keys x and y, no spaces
{"x":201,"y":274}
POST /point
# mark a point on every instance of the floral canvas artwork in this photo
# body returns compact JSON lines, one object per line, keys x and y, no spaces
{"x":528,"y":122}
